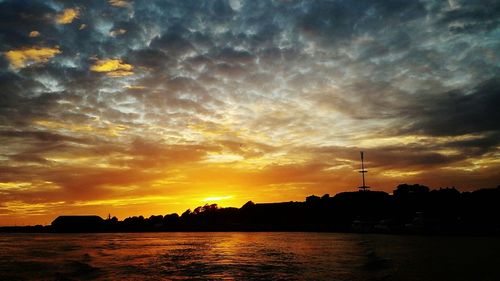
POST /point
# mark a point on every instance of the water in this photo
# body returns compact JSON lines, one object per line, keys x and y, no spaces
{"x":246,"y":256}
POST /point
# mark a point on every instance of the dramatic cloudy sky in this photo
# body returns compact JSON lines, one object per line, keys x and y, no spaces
{"x":152,"y":107}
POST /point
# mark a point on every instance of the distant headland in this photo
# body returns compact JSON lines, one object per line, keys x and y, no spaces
{"x":410,"y":209}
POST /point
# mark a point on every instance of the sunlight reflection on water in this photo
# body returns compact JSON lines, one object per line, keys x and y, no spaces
{"x":245,"y":256}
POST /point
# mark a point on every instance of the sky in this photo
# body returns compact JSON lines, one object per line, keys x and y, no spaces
{"x":153,"y":107}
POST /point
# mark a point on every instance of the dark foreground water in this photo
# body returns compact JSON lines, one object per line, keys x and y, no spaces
{"x":246,"y":256}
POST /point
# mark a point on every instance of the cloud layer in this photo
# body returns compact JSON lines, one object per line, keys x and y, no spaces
{"x":106,"y":103}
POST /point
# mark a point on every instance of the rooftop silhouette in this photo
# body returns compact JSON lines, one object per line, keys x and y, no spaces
{"x":411,"y":208}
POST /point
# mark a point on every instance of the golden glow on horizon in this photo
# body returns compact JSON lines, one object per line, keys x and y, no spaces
{"x":161,"y":179}
{"x":20,"y":58}
{"x":213,"y":199}
{"x":112,"y":67}
{"x":67,"y":16}
{"x":126,"y":201}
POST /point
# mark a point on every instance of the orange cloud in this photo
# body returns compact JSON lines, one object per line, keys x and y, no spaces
{"x":34,"y":33}
{"x":67,"y":16}
{"x":113,"y":67}
{"x":20,"y":58}
{"x":119,"y":3}
{"x":108,"y":130}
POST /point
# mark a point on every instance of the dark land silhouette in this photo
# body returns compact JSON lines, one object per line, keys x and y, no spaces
{"x":412,"y":209}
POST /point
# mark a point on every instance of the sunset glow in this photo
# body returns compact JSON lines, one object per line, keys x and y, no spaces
{"x":153,"y":107}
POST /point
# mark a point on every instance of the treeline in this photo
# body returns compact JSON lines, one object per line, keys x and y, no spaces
{"x":410,"y":209}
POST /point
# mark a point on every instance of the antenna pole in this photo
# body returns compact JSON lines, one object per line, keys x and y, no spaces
{"x":363,"y":171}
{"x":363,"y":168}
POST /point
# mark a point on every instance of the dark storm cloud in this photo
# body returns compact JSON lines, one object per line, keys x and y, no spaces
{"x":456,"y":112}
{"x":387,"y":157}
{"x":418,"y":155}
{"x":478,"y":145}
{"x":365,"y":100}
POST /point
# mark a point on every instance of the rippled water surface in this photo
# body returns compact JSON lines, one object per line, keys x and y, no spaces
{"x":246,"y":256}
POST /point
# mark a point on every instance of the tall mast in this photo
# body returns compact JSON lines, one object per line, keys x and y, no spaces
{"x":363,"y":171}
